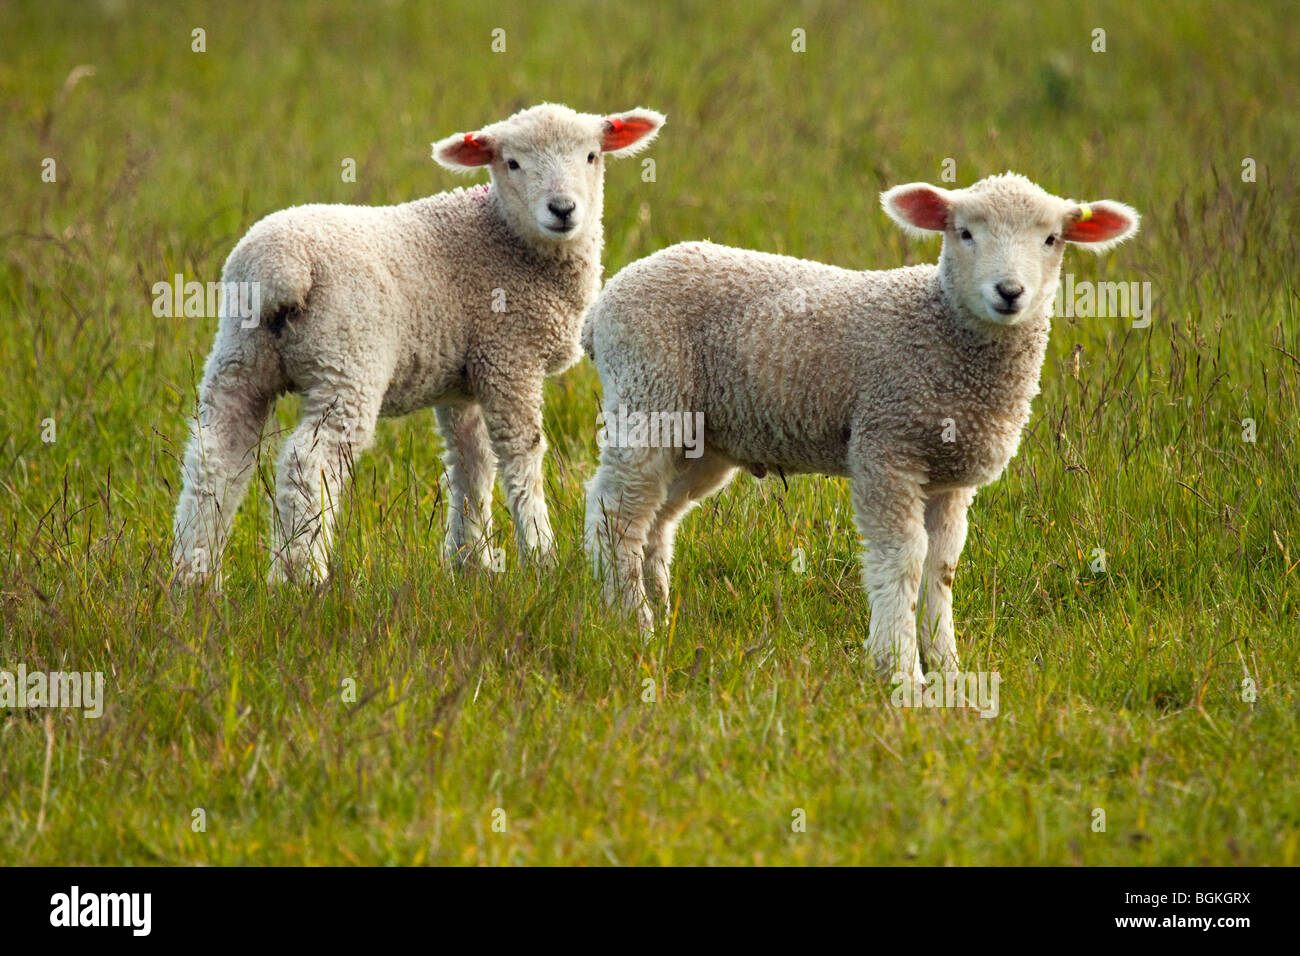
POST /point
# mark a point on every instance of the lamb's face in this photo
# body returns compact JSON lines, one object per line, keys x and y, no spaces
{"x":1003,"y":240}
{"x":552,"y":182}
{"x":1003,"y":253}
{"x":547,"y":164}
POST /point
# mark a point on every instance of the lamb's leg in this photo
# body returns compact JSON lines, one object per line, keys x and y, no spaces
{"x":702,"y":477}
{"x":945,"y":526}
{"x":889,"y":513}
{"x":513,"y":415}
{"x":471,"y":472}
{"x":234,"y":402}
{"x":623,"y":498}
{"x":336,"y":427}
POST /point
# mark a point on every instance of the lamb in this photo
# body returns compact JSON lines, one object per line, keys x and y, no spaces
{"x":915,"y":383}
{"x":464,"y":301}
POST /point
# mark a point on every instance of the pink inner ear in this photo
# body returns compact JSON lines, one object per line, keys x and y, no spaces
{"x":923,"y":208}
{"x":469,"y":152}
{"x":624,"y":132}
{"x":1104,"y":224}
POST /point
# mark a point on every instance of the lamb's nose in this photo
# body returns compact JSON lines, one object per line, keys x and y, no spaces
{"x":1010,"y":291}
{"x":561,"y":208}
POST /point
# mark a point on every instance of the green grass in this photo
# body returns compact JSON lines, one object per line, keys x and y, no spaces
{"x":1121,"y":690}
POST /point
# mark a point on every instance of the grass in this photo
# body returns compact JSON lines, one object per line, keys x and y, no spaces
{"x":1121,"y":690}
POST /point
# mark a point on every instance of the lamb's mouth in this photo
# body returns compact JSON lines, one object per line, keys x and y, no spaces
{"x":1005,"y":310}
{"x":561,"y":229}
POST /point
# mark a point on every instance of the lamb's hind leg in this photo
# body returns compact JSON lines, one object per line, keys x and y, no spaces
{"x":623,"y":498}
{"x":945,"y":526}
{"x":703,"y":476}
{"x":471,"y":472}
{"x":338,"y":424}
{"x":235,"y":397}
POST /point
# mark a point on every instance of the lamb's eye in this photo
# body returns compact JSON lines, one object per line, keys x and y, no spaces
{"x":965,"y":234}
{"x":1051,"y":240}
{"x":512,"y":164}
{"x":591,"y":157}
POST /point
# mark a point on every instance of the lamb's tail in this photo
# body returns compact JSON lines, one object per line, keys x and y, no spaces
{"x":267,"y":280}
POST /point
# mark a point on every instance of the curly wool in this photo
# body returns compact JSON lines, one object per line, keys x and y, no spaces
{"x":790,"y":360}
{"x":409,"y":295}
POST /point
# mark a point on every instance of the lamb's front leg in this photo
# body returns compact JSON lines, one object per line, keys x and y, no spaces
{"x":945,"y":526}
{"x":471,"y":472}
{"x":889,"y":513}
{"x":513,"y":416}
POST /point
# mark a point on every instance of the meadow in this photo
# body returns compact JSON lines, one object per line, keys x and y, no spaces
{"x":1131,"y":577}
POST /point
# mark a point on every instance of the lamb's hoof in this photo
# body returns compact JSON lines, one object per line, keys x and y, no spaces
{"x":468,"y":558}
{"x":305,"y":575}
{"x":544,"y":556}
{"x":915,"y":679}
{"x":949,"y":665}
{"x":185,"y":578}
{"x":888,"y":667}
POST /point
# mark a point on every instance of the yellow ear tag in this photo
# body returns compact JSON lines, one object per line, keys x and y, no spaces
{"x":1085,"y":212}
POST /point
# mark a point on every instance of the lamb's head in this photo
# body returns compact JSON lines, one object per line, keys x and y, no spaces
{"x":547,"y":164}
{"x":1003,"y":239}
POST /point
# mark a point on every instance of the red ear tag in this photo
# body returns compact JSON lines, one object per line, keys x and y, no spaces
{"x":621,"y":133}
{"x":469,"y":152}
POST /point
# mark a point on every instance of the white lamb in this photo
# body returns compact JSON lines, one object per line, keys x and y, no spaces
{"x":464,"y":301}
{"x":916,"y":383}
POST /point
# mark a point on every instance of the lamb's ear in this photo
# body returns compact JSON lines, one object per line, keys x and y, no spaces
{"x":623,"y":134}
{"x":1101,"y":225}
{"x":464,"y":151}
{"x":918,"y":207}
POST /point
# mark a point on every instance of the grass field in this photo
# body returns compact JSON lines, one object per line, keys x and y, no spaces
{"x":1122,"y":689}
